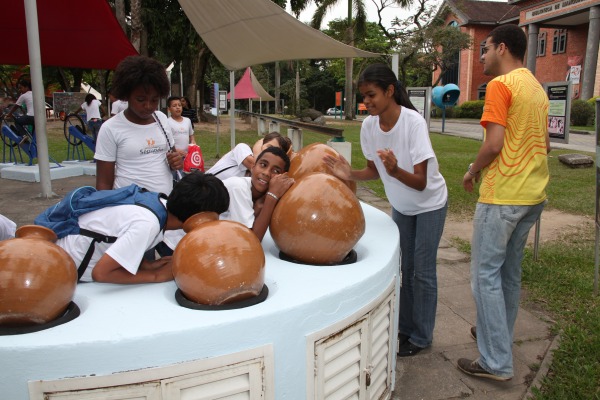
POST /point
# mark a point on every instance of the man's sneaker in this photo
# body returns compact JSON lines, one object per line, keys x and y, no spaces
{"x":474,"y":333}
{"x":472,"y":367}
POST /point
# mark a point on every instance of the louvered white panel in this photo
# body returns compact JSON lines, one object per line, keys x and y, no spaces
{"x":339,"y":364}
{"x":353,"y":358}
{"x":145,"y":391}
{"x":242,"y":381}
{"x":381,"y":329}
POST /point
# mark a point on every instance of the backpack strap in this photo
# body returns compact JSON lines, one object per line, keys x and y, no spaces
{"x":96,"y":237}
{"x":224,"y":169}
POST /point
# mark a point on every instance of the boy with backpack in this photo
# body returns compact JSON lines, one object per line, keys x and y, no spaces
{"x":131,"y":228}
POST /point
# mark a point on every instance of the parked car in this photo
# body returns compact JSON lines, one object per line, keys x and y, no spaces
{"x":334,"y":111}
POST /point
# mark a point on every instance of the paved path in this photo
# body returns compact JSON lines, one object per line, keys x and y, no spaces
{"x":471,"y":129}
{"x":432,"y":374}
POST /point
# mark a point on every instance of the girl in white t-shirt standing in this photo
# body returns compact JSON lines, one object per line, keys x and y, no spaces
{"x":395,"y":141}
{"x":94,"y":110}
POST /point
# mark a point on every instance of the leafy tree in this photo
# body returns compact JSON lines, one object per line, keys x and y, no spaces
{"x":371,"y":40}
{"x":172,"y":37}
{"x":423,"y":42}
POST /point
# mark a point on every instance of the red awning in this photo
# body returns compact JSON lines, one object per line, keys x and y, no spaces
{"x":73,"y":33}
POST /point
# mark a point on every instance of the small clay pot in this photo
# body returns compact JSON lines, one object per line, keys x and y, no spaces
{"x":218,"y":262}
{"x":318,"y":220}
{"x":310,"y":160}
{"x":37,"y":278}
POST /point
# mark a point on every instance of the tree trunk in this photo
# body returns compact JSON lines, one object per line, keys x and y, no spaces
{"x":136,"y":24}
{"x":348,"y":91}
{"x":297,"y":108}
{"x":277,"y":88}
{"x":120,"y":14}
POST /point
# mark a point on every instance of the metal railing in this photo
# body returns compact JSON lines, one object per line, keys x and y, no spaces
{"x":296,"y":124}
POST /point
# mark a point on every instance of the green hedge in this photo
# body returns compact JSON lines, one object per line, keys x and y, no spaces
{"x":468,"y":109}
{"x":471,"y":109}
{"x":582,"y":113}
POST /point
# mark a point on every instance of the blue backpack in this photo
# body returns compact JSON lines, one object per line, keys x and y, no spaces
{"x":63,"y":217}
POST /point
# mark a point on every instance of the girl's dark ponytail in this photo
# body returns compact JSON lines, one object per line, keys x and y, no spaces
{"x":401,"y":96}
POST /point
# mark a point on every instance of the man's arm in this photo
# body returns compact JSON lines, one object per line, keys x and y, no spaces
{"x":491,"y":147}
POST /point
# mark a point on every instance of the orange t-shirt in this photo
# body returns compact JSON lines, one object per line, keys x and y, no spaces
{"x":519,"y":174}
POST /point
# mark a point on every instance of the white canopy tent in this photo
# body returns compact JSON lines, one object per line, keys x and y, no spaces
{"x":242,"y":33}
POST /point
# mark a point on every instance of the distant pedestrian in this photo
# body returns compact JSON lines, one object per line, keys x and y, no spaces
{"x":187,"y":110}
{"x":513,"y":168}
{"x":25,"y":102}
{"x":94,"y":110}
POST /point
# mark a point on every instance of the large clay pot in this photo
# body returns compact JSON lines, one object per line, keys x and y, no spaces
{"x":310,"y":160}
{"x":218,"y":262}
{"x":37,"y":278}
{"x":318,"y":220}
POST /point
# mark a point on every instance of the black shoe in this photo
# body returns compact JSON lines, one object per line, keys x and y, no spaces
{"x":402,"y":339}
{"x":474,"y":333}
{"x":408,"y":349}
{"x":473,"y":368}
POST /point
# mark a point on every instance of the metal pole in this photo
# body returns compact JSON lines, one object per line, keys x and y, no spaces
{"x":536,"y":240}
{"x":231,"y":108}
{"x":443,"y":117}
{"x":181,"y":82}
{"x":39,"y":105}
{"x":597,"y":222}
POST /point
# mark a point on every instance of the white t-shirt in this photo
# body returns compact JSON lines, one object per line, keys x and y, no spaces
{"x":241,"y":207}
{"x":136,"y":228}
{"x":118,"y":106}
{"x":7,"y":228}
{"x":139,"y":152}
{"x":409,"y":140}
{"x":27,"y":99}
{"x":234,"y":160}
{"x":93,"y":110}
{"x":182,"y":130}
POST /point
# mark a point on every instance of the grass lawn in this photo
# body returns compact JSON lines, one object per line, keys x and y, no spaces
{"x":561,"y":281}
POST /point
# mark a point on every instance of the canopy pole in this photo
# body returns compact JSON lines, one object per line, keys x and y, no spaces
{"x":39,"y":104}
{"x":232,"y":108}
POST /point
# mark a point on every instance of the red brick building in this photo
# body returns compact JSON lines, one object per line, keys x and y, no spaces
{"x":563,"y":40}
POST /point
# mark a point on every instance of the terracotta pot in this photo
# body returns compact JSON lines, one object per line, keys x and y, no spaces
{"x":310,"y":160}
{"x":37,"y":278}
{"x":318,"y":220}
{"x":218,"y":262}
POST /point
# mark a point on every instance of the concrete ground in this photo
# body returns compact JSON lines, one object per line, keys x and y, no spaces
{"x":432,"y":374}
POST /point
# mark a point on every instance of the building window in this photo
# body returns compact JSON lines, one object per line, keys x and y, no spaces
{"x":541,"y":45}
{"x":481,"y":91}
{"x":559,"y":42}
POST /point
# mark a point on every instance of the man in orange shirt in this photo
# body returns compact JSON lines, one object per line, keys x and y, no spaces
{"x":513,"y":169}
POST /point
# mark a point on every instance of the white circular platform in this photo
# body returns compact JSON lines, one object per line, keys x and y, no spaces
{"x":125,"y":328}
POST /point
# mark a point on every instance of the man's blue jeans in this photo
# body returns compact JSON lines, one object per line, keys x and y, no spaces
{"x":419,"y":240}
{"x":499,"y":237}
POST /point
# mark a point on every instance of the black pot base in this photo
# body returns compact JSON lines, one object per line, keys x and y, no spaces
{"x":70,"y":314}
{"x":350,"y":258}
{"x":185,"y":302}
